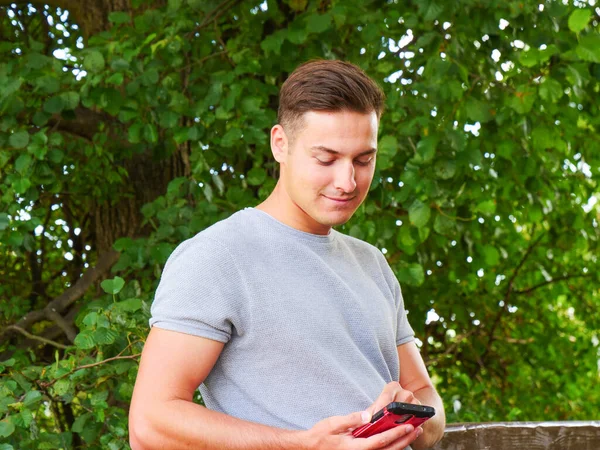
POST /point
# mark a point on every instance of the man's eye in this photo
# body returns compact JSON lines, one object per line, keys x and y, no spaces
{"x":324,"y":163}
{"x":364,"y":162}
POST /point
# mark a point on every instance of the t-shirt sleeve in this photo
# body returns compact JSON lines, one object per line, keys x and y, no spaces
{"x":404,"y":332}
{"x":198,"y":292}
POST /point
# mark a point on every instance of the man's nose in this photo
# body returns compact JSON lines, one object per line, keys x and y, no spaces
{"x":345,"y":178}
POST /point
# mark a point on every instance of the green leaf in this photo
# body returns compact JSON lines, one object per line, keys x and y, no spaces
{"x":85,"y":340}
{"x":522,"y":100}
{"x":491,"y":255}
{"x":529,"y":58}
{"x":297,"y":34}
{"x":318,"y":23}
{"x":40,"y":118}
{"x":579,"y":19}
{"x":208,"y":192}
{"x":419,"y":213}
{"x":79,"y":423}
{"x":4,"y":222}
{"x":70,"y":100}
{"x":27,"y":417}
{"x":443,"y":225}
{"x":105,"y":336}
{"x":589,"y":48}
{"x":37,"y":60}
{"x":6,"y":447}
{"x":413,"y":275}
{"x":56,"y":155}
{"x":20,"y":139}
{"x":542,"y":138}
{"x":113,"y":286}
{"x":219,"y":183}
{"x":54,"y":105}
{"x":232,"y":137}
{"x":272,"y":43}
{"x":425,"y":150}
{"x":21,"y":185}
{"x":61,"y":387}
{"x":119,"y":64}
{"x":477,"y":111}
{"x":487,"y":207}
{"x":22,"y":163}
{"x":94,"y":61}
{"x":6,"y":428}
{"x":134,"y":133}
{"x":160,"y":252}
{"x":168,"y":119}
{"x":90,"y":319}
{"x":551,"y":90}
{"x":429,"y":9}
{"x":445,"y":169}
{"x":256,"y":176}
{"x":175,"y":184}
{"x":118,"y":17}
{"x":150,"y":133}
{"x":131,"y":304}
{"x":32,"y":398}
{"x":388,"y":146}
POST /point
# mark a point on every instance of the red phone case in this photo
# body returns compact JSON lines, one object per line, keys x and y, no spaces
{"x":393,"y":415}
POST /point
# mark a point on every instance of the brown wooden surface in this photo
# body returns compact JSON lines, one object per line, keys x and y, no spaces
{"x":522,"y":435}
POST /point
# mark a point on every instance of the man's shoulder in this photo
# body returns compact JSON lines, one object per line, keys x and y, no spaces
{"x":358,"y":245}
{"x":224,"y":236}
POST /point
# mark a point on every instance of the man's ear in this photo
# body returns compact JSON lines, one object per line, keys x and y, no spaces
{"x":279,"y":143}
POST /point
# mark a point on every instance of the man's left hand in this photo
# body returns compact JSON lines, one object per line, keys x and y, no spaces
{"x":392,"y":392}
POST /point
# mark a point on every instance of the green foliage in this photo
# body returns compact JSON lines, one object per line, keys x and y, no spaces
{"x":488,"y":160}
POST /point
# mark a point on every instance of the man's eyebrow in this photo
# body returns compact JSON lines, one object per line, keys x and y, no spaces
{"x":335,"y":152}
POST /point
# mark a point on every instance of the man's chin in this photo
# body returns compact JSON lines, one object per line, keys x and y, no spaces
{"x":336,"y":219}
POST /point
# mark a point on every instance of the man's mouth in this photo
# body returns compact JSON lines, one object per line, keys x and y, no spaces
{"x":340,"y":200}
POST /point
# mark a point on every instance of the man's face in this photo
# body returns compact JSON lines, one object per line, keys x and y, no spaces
{"x":328,"y":168}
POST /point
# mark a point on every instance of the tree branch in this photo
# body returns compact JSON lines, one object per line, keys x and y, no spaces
{"x":553,"y":280}
{"x":507,"y":295}
{"x":72,"y":294}
{"x":216,"y":13}
{"x":84,"y":125}
{"x":63,"y":324}
{"x":36,"y":338}
{"x":87,"y":366}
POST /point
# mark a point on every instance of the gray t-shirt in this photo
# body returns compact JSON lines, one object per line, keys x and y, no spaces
{"x":311,"y":322}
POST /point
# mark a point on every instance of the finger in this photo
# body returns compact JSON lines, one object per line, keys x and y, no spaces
{"x":341,"y":424}
{"x":386,"y":397}
{"x":407,"y":440}
{"x":407,"y":397}
{"x":399,"y":436}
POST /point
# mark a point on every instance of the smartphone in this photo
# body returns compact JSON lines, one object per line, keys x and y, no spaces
{"x":393,"y":415}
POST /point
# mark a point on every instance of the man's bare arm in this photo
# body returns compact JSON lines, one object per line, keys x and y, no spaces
{"x":414,"y":378}
{"x":163,"y":415}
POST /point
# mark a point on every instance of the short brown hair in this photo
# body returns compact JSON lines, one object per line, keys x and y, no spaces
{"x":324,"y":85}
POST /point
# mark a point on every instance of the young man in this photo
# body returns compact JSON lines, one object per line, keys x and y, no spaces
{"x":295,"y":333}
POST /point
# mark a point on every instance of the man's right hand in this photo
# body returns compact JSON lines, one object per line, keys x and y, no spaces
{"x":336,"y":433}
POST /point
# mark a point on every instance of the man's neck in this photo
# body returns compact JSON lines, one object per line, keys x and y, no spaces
{"x":281,"y":207}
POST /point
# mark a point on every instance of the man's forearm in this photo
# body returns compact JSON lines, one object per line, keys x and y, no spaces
{"x":180,"y":424}
{"x":433,"y":429}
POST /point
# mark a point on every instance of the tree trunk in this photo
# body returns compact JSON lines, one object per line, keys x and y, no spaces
{"x":148,"y":177}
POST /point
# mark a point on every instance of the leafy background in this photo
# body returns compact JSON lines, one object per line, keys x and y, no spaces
{"x":127,"y":127}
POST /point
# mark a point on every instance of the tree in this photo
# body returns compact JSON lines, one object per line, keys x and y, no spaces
{"x":127,"y":127}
